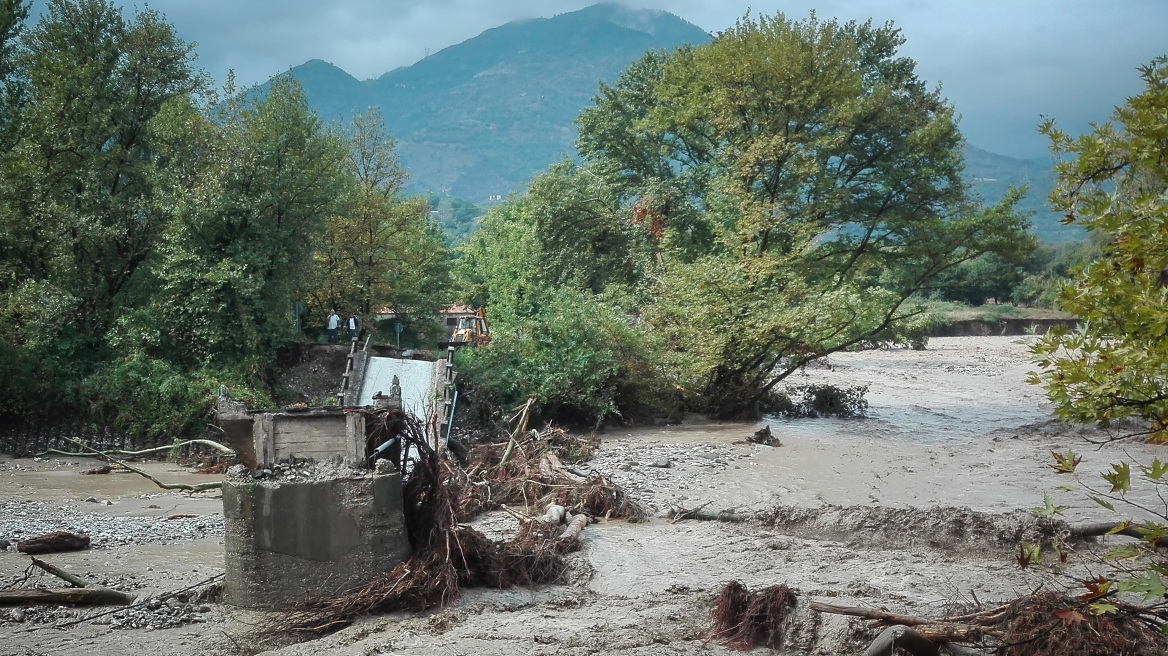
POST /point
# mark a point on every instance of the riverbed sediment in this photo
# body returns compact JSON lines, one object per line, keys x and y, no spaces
{"x":913,"y":508}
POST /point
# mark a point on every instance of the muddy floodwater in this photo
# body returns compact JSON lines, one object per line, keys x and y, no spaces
{"x":916,"y":508}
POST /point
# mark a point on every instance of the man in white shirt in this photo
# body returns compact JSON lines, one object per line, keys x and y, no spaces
{"x":334,"y":322}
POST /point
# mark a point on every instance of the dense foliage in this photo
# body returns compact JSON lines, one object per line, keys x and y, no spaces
{"x":1034,"y":280}
{"x":1113,"y":182}
{"x":758,"y":202}
{"x":554,"y":266}
{"x":155,"y":236}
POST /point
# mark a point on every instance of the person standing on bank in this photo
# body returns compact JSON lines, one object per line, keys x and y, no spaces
{"x":334,"y":322}
{"x":353,"y":326}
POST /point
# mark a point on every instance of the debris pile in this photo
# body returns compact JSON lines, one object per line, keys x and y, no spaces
{"x":533,"y":471}
{"x":763,"y":436}
{"x":1049,"y":624}
{"x":820,"y":401}
{"x":447,"y":555}
{"x":1041,"y":624}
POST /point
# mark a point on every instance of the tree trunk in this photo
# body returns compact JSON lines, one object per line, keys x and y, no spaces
{"x":53,"y":543}
{"x":90,"y":596}
{"x":904,"y":638}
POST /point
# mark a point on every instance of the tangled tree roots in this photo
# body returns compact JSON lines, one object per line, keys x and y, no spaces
{"x":530,"y":472}
{"x":418,"y":584}
{"x":1043,"y":624}
{"x":447,"y":556}
{"x":744,"y":619}
{"x":1048,"y":624}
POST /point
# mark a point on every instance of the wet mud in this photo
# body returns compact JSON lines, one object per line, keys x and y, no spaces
{"x":916,"y":508}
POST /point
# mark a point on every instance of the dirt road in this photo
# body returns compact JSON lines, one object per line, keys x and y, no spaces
{"x":914,"y":508}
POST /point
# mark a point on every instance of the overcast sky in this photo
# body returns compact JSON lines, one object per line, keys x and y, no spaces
{"x":1002,"y":63}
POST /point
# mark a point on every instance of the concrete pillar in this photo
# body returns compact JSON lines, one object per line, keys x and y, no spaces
{"x":291,"y":540}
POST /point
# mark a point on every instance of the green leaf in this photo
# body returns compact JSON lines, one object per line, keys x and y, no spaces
{"x":1119,"y":477}
{"x":1048,"y":509}
{"x":1103,"y":502}
{"x":1126,"y":551}
{"x":1156,"y":471}
{"x":1103,"y":608}
{"x":1150,"y":584}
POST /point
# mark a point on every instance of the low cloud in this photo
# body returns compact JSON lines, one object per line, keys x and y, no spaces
{"x":1001,"y":63}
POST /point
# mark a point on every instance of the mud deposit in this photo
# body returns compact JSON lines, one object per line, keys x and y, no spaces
{"x":916,"y":508}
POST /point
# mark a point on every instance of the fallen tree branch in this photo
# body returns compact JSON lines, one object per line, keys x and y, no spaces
{"x":1108,"y":528}
{"x":227,"y":451}
{"x":113,"y":596}
{"x":520,"y":429}
{"x":60,"y":573}
{"x":141,"y":602}
{"x":201,"y":487}
{"x":523,"y":518}
{"x":932,"y":630}
{"x":870,"y":613}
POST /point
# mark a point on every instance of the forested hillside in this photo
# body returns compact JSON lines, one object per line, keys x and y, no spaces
{"x":478,"y":119}
{"x":992,"y":175}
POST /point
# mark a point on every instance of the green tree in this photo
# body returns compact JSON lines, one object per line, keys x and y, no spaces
{"x":268,"y":176}
{"x":458,"y":218}
{"x":13,"y":14}
{"x":1112,"y":181}
{"x":380,"y":249}
{"x":555,"y":268}
{"x":80,"y":211}
{"x":802,"y":184}
{"x":568,"y":230}
{"x":82,"y":175}
{"x":977,"y":281}
{"x":249,"y":182}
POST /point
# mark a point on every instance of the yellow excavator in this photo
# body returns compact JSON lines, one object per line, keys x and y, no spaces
{"x":471,"y":331}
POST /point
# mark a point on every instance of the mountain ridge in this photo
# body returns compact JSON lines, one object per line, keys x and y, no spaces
{"x":476,"y":120}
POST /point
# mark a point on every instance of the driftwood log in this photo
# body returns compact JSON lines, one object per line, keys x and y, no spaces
{"x":575,"y":527}
{"x":53,"y":543}
{"x":1107,"y":528}
{"x":89,"y":596}
{"x":71,"y":579}
{"x":878,"y":614}
{"x":82,"y":591}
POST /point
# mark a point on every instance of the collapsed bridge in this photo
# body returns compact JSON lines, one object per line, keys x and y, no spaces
{"x":306,"y":511}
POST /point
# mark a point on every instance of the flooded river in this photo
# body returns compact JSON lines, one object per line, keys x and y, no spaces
{"x":955,"y":426}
